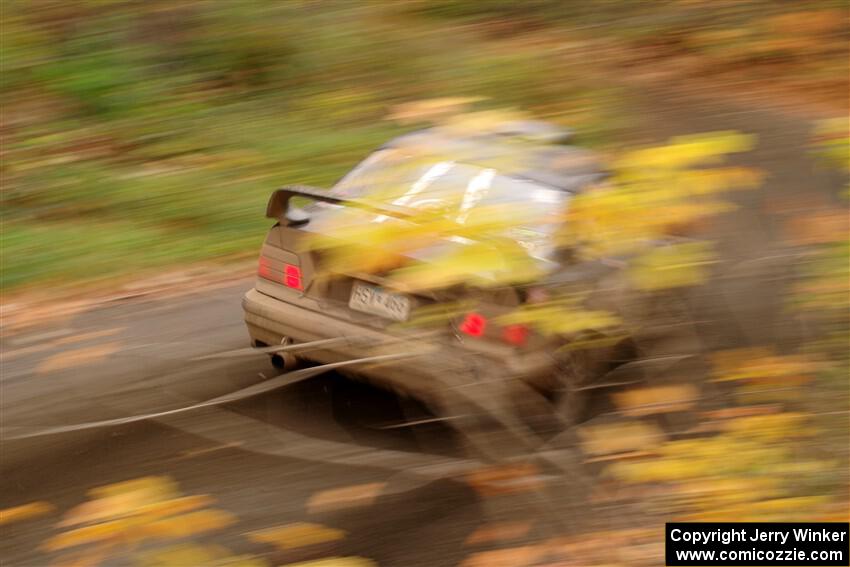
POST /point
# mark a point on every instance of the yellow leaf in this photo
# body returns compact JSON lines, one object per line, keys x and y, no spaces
{"x":619,"y":437}
{"x":25,"y":512}
{"x":658,"y":470}
{"x":795,"y":509}
{"x":129,"y":503}
{"x":769,"y":427}
{"x":430,"y":109}
{"x":712,"y":493}
{"x":685,"y":151}
{"x":727,"y":361}
{"x":297,"y":535}
{"x":89,"y":534}
{"x":481,"y":121}
{"x":194,"y":554}
{"x":151,"y":488}
{"x":638,"y":402}
{"x":742,"y":411}
{"x":511,"y":557}
{"x":336,"y":562}
{"x":505,"y":479}
{"x":483,"y":263}
{"x":561,"y":316}
{"x":180,"y":555}
{"x":189,"y":524}
{"x":110,"y":507}
{"x":87,"y":557}
{"x":673,"y":266}
{"x":766,"y":367}
{"x":174,"y":506}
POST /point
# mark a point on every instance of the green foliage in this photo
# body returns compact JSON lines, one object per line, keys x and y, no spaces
{"x":170,"y":122}
{"x":679,"y":265}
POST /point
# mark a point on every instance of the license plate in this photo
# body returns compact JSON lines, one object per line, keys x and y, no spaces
{"x":375,"y":301}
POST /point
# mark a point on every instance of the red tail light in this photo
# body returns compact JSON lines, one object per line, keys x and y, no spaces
{"x":265,"y":270}
{"x":292,"y":276}
{"x":280,"y":272}
{"x":474,"y":325}
{"x":516,"y":335}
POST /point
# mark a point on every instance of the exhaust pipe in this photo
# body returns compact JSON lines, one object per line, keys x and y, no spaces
{"x":285,"y":361}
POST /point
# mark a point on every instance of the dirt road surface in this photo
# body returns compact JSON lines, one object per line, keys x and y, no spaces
{"x":271,"y":459}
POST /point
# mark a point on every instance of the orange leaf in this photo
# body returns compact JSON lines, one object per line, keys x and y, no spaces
{"x":639,"y":402}
{"x":25,"y":512}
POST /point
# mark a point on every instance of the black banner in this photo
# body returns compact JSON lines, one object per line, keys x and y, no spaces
{"x":752,"y":543}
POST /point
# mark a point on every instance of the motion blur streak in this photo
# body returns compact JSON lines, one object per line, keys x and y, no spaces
{"x":428,"y":283}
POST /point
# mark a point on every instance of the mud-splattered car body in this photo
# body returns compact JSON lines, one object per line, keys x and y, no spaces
{"x":354,"y":315}
{"x":289,"y":304}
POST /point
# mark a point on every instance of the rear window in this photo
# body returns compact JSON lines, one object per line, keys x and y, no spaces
{"x":393,"y":177}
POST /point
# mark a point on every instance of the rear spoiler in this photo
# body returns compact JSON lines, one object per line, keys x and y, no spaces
{"x":278,"y":204}
{"x":279,"y":200}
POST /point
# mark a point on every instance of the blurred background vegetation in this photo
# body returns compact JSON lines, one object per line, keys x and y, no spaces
{"x":142,"y":134}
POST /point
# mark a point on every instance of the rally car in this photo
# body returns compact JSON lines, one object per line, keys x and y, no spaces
{"x":359,"y":316}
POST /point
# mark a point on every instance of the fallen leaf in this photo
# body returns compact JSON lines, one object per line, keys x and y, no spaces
{"x":25,"y":512}
{"x":638,"y":402}
{"x":742,"y":411}
{"x":620,"y":437}
{"x":512,"y":557}
{"x":144,"y":489}
{"x":296,"y":535}
{"x":347,"y":497}
{"x":336,"y":562}
{"x":678,"y":265}
{"x":505,"y":479}
{"x":189,"y":524}
{"x":97,"y":533}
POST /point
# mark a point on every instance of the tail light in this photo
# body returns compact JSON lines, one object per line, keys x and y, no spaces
{"x":292,"y":276}
{"x":280,"y":272}
{"x":474,"y":325}
{"x":516,"y":335}
{"x":265,"y":269}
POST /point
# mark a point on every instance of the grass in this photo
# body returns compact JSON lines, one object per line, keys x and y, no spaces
{"x":118,"y":217}
{"x":127,"y":151}
{"x":142,"y":135}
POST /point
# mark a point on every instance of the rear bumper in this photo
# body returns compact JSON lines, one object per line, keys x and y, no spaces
{"x":269,"y":320}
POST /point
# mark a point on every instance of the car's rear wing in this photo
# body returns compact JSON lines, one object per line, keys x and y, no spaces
{"x":279,"y":200}
{"x":278,"y":205}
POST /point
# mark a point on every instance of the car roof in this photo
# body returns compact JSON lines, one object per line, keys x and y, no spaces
{"x":531,"y":150}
